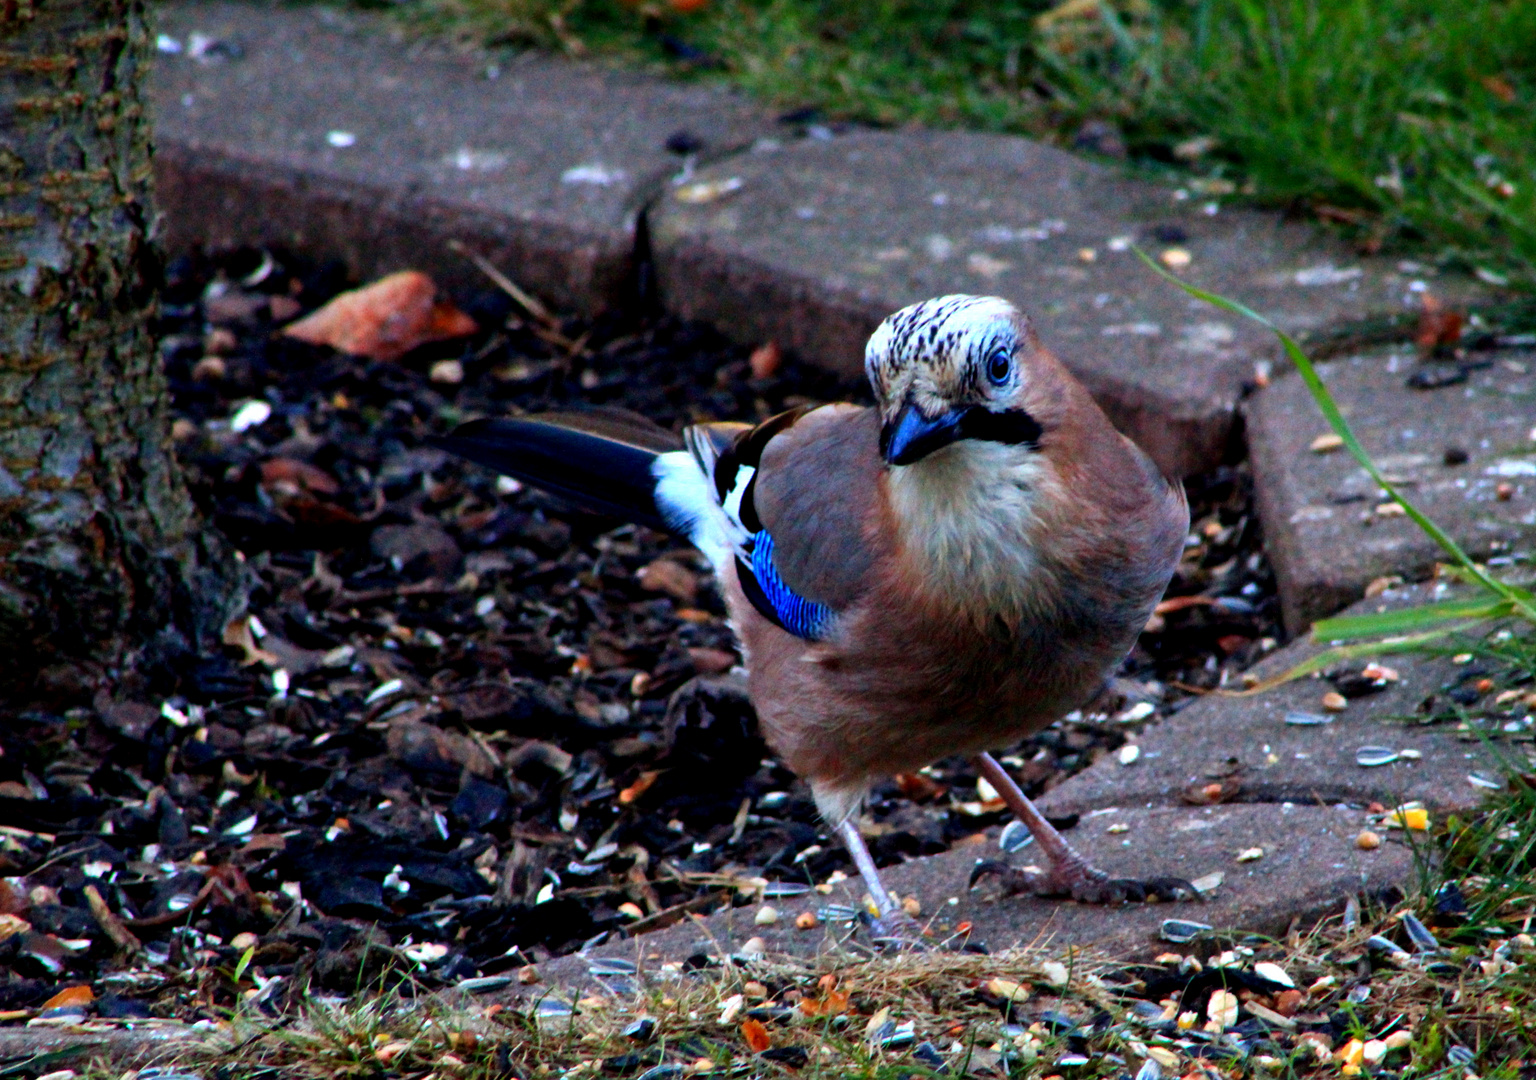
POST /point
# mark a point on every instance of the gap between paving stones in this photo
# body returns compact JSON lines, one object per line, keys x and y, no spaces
{"x":771,"y":234}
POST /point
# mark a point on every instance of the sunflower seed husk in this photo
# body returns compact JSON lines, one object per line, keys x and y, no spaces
{"x":1423,"y":940}
{"x":1015,"y":836}
{"x":1307,"y":719}
{"x":1180,"y":931}
{"x":1371,"y":756}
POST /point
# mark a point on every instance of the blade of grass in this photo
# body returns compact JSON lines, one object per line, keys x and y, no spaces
{"x":1326,"y":659}
{"x":1408,"y":620}
{"x":1330,"y":410}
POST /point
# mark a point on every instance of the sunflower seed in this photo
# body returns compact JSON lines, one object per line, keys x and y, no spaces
{"x":1371,"y":756}
{"x":1015,"y":836}
{"x":1179,"y":931}
{"x":1423,"y":940}
{"x":1307,"y":719}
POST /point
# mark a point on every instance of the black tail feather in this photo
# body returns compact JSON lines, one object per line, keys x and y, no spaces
{"x":600,"y":459}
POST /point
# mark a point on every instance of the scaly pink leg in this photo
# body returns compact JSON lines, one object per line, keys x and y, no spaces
{"x":1069,"y":874}
{"x":893,"y":926}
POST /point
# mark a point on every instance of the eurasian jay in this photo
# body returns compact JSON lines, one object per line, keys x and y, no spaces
{"x":944,"y":573}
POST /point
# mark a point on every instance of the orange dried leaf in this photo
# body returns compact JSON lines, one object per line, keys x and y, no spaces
{"x":384,"y":320}
{"x":641,"y":785}
{"x":70,"y":995}
{"x":1438,"y":325}
{"x":756,"y":1035}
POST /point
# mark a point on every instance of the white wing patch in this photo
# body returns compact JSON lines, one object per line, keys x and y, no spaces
{"x":686,"y":498}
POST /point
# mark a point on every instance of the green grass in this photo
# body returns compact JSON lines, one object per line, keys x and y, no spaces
{"x":1412,"y":121}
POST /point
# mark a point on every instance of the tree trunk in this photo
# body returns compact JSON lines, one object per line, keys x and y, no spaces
{"x":105,"y":569}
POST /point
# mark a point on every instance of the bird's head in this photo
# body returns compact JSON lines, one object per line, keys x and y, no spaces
{"x":957,"y":370}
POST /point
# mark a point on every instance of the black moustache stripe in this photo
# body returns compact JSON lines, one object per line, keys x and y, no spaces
{"x":1014,"y":427}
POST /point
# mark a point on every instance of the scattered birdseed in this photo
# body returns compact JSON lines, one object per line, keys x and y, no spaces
{"x":1274,"y":973}
{"x":1176,"y":258}
{"x":1209,"y":883}
{"x":1307,"y":719}
{"x":1129,"y":754}
{"x":1250,"y":854}
{"x":766,"y":916}
{"x":1367,"y":840}
{"x":1410,"y":754}
{"x":1015,"y":836}
{"x":806,"y":920}
{"x":1334,"y":701}
{"x":1325,"y":444}
{"x":1370,"y":757}
{"x":1181,"y":931}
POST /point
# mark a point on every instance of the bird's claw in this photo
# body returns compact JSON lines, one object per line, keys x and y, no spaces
{"x":896,"y":931}
{"x":1082,"y":883}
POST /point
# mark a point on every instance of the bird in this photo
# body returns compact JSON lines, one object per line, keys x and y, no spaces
{"x":944,"y":572}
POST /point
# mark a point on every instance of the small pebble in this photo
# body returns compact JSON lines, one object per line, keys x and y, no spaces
{"x":1367,"y":840}
{"x":1334,"y":701}
{"x":766,"y":915}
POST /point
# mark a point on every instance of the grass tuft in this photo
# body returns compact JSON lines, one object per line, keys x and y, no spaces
{"x":1409,"y":121}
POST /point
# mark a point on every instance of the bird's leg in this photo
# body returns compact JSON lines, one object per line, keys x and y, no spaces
{"x":1069,"y":874}
{"x":893,"y":926}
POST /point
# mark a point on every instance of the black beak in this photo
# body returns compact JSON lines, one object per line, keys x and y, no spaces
{"x":912,"y":436}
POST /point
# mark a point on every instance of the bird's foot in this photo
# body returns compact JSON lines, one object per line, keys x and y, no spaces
{"x":1083,"y":883}
{"x":896,"y":931}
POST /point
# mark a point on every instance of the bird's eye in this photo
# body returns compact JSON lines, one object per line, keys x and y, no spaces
{"x":999,"y":365}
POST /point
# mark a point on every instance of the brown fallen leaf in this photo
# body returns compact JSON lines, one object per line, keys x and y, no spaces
{"x":70,"y":995}
{"x":756,"y":1035}
{"x":384,"y":320}
{"x":1438,"y":325}
{"x":288,"y":476}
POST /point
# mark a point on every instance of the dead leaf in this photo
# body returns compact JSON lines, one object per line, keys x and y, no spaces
{"x":237,"y":633}
{"x":70,"y":995}
{"x":384,"y":320}
{"x":756,"y":1035}
{"x":286,"y":476}
{"x":766,"y":360}
{"x":641,"y":785}
{"x":1438,"y":325}
{"x":670,"y":577}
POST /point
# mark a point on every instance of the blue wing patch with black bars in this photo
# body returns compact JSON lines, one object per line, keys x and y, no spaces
{"x":775,"y":600}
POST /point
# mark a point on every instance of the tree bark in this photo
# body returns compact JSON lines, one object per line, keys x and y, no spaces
{"x":105,"y":568}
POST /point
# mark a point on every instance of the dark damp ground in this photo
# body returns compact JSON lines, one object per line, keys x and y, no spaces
{"x":466,"y":726}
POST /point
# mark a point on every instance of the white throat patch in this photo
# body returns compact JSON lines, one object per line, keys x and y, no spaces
{"x":966,"y":514}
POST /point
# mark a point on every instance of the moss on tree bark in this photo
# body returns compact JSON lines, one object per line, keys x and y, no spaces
{"x":105,"y":568}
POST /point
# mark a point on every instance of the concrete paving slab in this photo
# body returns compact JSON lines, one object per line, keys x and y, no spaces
{"x":1309,"y":866}
{"x":142,"y":1044}
{"x":1321,"y":526}
{"x":329,"y":136}
{"x":811,"y":242}
{"x":1246,"y":742}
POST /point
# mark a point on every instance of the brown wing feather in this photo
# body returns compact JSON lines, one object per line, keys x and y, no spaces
{"x":817,"y":492}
